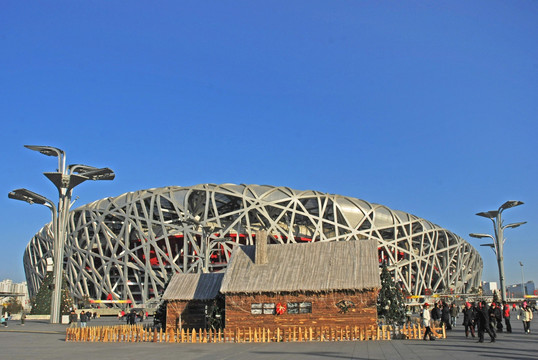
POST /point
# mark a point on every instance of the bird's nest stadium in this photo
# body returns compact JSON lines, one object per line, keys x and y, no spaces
{"x":127,"y":247}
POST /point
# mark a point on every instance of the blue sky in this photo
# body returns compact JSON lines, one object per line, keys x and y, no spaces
{"x":426,"y":107}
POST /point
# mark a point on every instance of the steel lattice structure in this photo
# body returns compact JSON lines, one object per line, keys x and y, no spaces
{"x":130,"y":245}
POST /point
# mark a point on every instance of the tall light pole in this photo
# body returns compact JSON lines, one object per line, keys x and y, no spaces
{"x":522,"y":280}
{"x":498,"y":239}
{"x":65,"y":179}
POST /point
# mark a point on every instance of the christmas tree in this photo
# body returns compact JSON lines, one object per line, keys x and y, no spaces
{"x":41,"y":302}
{"x":390,"y":301}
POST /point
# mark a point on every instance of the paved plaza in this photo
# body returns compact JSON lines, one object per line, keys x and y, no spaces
{"x":40,"y":340}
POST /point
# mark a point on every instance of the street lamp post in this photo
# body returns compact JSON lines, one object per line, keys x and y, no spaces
{"x":65,"y":179}
{"x":522,"y":280}
{"x":498,"y":239}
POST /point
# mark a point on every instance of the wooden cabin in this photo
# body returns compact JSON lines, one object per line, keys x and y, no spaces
{"x":191,"y":298}
{"x":314,"y":284}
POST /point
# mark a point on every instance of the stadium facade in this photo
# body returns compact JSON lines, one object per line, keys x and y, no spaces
{"x":128,"y":247}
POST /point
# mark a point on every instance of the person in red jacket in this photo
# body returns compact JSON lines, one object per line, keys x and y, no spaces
{"x":506,"y":316}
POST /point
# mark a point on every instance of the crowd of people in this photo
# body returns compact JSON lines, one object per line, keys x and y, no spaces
{"x":84,"y":317}
{"x":478,"y":318}
{"x":132,"y":316}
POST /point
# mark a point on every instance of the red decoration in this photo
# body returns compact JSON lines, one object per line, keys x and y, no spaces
{"x":280,"y":308}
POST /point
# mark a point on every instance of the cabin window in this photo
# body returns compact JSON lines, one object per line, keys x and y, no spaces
{"x":305,"y":308}
{"x":299,"y":308}
{"x":256,"y":309}
{"x":269,"y":309}
{"x":293,"y":308}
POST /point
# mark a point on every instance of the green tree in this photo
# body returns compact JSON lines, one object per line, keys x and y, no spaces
{"x":41,"y":302}
{"x":390,"y":301}
{"x":13,"y":305}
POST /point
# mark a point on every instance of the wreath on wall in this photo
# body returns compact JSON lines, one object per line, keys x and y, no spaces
{"x":345,"y":305}
{"x":280,"y":308}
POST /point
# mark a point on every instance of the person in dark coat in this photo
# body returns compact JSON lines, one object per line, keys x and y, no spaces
{"x":131,"y":319}
{"x":453,"y":314}
{"x":435,"y":315}
{"x":492,"y":312}
{"x":73,"y":317}
{"x":499,"y":317}
{"x":483,"y":318}
{"x":468,"y":319}
{"x":83,"y":319}
{"x":445,"y":316}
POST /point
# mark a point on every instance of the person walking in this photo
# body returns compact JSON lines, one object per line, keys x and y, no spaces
{"x":506,"y":316}
{"x":468,"y":319}
{"x":426,"y":322}
{"x":483,"y":318}
{"x":23,"y":317}
{"x":525,"y":314}
{"x":453,"y":314}
{"x":498,"y":317}
{"x":492,"y":318}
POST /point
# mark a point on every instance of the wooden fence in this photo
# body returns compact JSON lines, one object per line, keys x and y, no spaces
{"x":137,"y":333}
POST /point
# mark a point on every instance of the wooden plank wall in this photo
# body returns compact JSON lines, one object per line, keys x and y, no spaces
{"x":186,"y":314}
{"x":325,"y":312}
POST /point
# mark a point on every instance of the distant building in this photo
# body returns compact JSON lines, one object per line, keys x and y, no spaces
{"x":516,"y":290}
{"x":488,"y":287}
{"x":19,"y":290}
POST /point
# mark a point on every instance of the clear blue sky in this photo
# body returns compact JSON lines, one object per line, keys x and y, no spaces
{"x":426,"y":107}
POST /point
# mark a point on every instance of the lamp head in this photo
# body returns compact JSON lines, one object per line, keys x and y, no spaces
{"x":480,"y":236}
{"x":97,"y":174}
{"x":511,"y":203}
{"x":45,"y":150}
{"x":488,"y":214}
{"x":80,"y":168}
{"x":28,"y":196}
{"x":515,"y":225}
